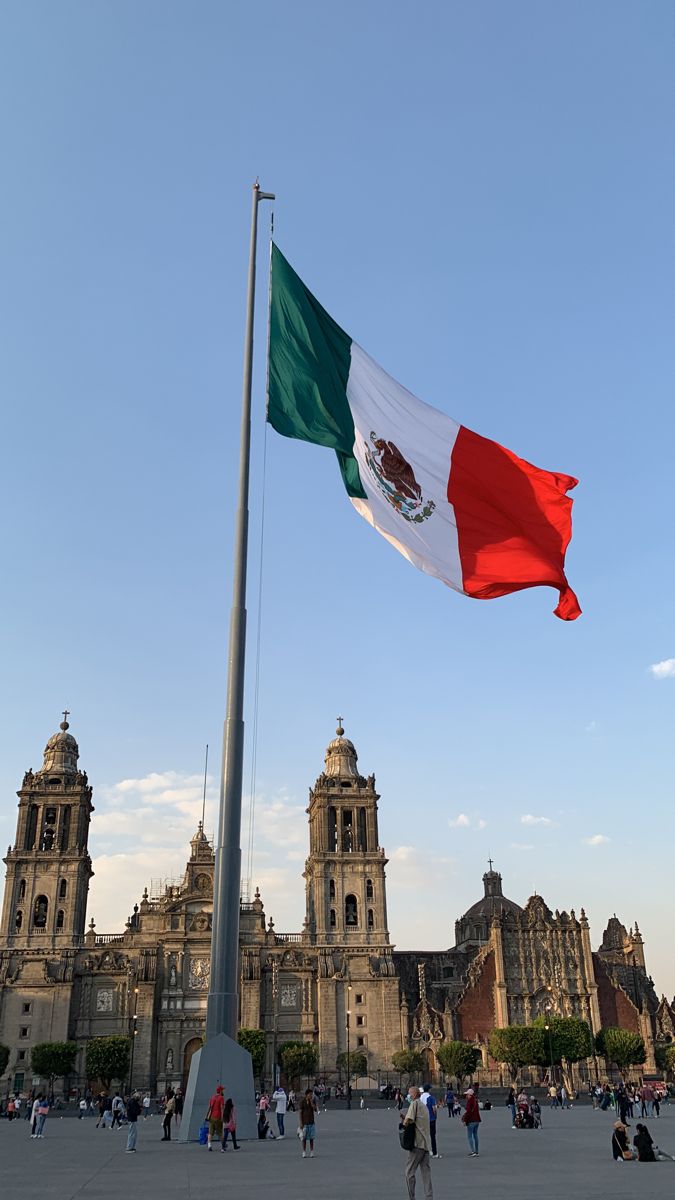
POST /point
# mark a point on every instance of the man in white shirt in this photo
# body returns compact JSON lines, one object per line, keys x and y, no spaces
{"x":146,"y":1106}
{"x":280,"y":1098}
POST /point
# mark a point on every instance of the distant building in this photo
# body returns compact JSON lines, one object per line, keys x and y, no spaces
{"x":60,"y":981}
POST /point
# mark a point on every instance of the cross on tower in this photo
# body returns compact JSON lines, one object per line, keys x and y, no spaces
{"x":339,"y":729}
{"x":490,"y":863}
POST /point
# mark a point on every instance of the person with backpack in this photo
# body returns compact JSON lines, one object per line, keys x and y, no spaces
{"x":418,"y":1157}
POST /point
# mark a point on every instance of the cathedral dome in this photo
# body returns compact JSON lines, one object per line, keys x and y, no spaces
{"x":341,"y":756}
{"x":474,"y":925}
{"x":61,"y":753}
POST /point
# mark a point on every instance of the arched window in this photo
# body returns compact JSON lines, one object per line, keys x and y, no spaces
{"x":369,"y":889}
{"x":63,"y":889}
{"x":371,"y":919}
{"x":65,"y":828}
{"x":18,"y":921}
{"x":59,"y":919}
{"x":48,"y":829}
{"x":332,"y":830}
{"x":332,"y":918}
{"x":351,"y":911}
{"x":22,"y":890}
{"x":31,"y":828}
{"x":331,"y":889}
{"x":40,"y":909}
{"x":363,"y":837}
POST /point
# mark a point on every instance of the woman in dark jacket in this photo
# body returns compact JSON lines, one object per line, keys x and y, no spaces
{"x":511,"y":1103}
{"x":620,"y":1147}
{"x":644,"y":1144}
{"x":471,"y":1119}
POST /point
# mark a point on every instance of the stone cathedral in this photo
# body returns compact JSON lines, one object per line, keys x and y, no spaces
{"x":339,"y":976}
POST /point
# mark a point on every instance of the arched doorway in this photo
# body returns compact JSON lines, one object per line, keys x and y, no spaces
{"x":193,"y":1045}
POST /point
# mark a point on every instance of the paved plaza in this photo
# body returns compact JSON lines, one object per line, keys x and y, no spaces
{"x":358,"y":1155}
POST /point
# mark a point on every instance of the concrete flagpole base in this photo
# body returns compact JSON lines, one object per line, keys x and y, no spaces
{"x":224,"y":1061}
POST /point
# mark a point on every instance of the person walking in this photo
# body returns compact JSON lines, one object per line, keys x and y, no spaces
{"x":432,"y":1108}
{"x":214,"y":1116}
{"x":450,"y":1101}
{"x":553,"y":1095}
{"x":146,"y":1106}
{"x":511,"y":1103}
{"x":229,"y":1124}
{"x":133,"y":1113}
{"x":34,"y":1114}
{"x":418,"y":1158}
{"x":42,"y":1114}
{"x":179,"y":1101}
{"x":117,"y":1111}
{"x":169,"y":1110}
{"x":281,"y":1100}
{"x":308,"y":1123}
{"x":471,"y":1119}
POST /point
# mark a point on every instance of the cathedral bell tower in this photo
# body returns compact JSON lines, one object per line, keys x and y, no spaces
{"x":49,"y":868}
{"x":344,"y":874}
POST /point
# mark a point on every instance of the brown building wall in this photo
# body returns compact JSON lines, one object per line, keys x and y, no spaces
{"x":615,"y":1007}
{"x":476,"y":1011}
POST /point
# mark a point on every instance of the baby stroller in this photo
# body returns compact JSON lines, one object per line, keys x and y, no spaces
{"x":527,"y":1116}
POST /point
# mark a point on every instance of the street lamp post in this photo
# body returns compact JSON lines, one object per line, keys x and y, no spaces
{"x":349,"y":1071}
{"x":134,"y":1032}
{"x":550,"y":1049}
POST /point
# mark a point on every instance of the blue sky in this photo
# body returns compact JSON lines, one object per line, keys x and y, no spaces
{"x":482,"y":195}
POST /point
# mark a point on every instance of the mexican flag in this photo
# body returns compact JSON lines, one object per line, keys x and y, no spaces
{"x":457,"y":505}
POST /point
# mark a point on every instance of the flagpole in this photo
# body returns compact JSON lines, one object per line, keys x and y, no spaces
{"x":222,"y":1013}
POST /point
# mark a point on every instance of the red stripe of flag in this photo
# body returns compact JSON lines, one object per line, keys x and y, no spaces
{"x":514,"y":522}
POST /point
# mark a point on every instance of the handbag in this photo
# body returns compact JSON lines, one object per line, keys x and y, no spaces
{"x":406,"y":1133}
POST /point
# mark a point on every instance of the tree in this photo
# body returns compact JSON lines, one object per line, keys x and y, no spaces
{"x":298,"y":1059}
{"x":669,"y":1059}
{"x":108,"y":1058}
{"x":408,"y":1062}
{"x":52,"y":1060}
{"x":518,"y":1046}
{"x":255,"y":1041}
{"x":620,"y":1046}
{"x":567,"y":1040}
{"x":458,"y":1059}
{"x":353,"y":1064}
{"x":4,"y":1058}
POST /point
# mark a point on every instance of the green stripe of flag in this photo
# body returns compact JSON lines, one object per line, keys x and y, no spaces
{"x":309,"y":361}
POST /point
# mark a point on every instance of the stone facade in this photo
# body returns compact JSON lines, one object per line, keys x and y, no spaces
{"x":338,"y":979}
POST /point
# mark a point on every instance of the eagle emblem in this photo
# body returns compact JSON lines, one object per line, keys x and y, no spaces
{"x":396,"y":479}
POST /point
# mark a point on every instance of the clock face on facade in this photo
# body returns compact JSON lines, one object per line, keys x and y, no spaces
{"x":104,"y":1000}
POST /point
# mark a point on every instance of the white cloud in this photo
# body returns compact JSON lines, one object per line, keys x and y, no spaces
{"x":141,"y":834}
{"x":521,"y":846}
{"x":591,"y":727}
{"x":530,"y":819}
{"x":663,"y":670}
{"x":459,"y":822}
{"x":598,"y":839}
{"x":482,"y":824}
